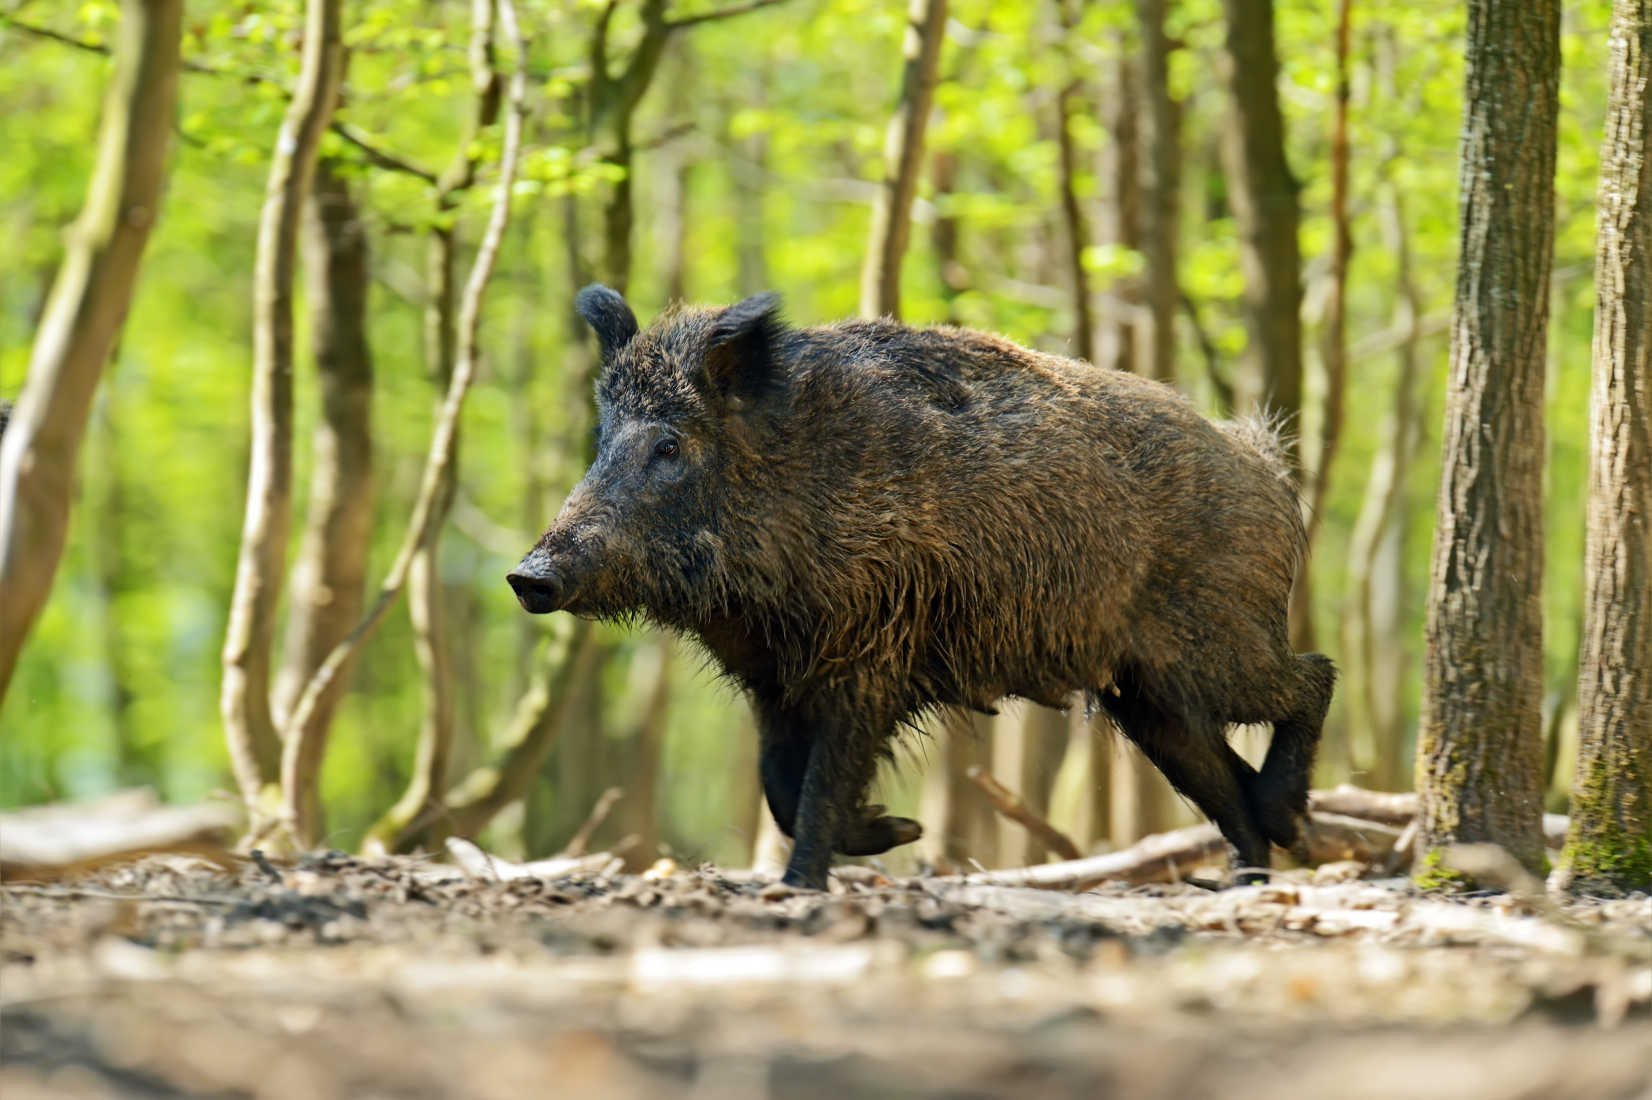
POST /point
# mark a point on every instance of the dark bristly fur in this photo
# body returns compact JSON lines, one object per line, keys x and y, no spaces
{"x":865,"y":521}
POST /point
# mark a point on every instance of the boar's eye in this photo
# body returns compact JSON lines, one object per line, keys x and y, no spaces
{"x":666,"y":448}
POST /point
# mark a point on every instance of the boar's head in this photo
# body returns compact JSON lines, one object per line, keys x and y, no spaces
{"x":683,"y":411}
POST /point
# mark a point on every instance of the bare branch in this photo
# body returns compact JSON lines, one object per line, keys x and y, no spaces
{"x":380,"y":158}
{"x":720,"y":13}
{"x":1014,"y":807}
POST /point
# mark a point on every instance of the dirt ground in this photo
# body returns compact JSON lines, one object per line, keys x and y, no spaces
{"x":337,"y":977}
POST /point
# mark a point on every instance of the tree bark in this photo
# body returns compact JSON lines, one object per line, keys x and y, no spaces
{"x":1480,"y":750}
{"x":330,"y":574}
{"x":1609,"y":846}
{"x":1069,"y":102}
{"x":880,"y":279}
{"x":244,"y":698}
{"x":1161,"y":194}
{"x":1123,"y":216}
{"x":83,"y":316}
{"x":1262,"y":193}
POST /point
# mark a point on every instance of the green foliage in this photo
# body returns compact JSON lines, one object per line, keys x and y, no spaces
{"x":119,"y":684}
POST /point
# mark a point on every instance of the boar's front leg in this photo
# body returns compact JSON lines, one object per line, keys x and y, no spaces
{"x":842,"y":754}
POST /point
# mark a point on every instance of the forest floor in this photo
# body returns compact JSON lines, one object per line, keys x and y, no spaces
{"x":337,"y":977}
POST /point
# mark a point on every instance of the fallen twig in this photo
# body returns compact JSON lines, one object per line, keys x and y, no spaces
{"x":1012,"y":806}
{"x":593,"y":821}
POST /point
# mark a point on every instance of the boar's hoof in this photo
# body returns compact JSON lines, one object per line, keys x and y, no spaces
{"x":794,"y":880}
{"x":1250,"y":877}
{"x":876,"y":833}
{"x":1282,"y":816}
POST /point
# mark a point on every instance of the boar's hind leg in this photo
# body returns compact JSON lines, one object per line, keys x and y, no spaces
{"x":1195,"y":757}
{"x":1279,"y":792}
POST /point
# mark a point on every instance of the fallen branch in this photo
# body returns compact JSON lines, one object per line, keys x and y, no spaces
{"x":1163,"y":857}
{"x":66,"y":839}
{"x":1399,"y":808}
{"x":1169,"y":857}
{"x":478,"y":864}
{"x":1012,"y":806}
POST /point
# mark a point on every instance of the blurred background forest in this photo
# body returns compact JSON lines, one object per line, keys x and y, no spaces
{"x":750,"y":159}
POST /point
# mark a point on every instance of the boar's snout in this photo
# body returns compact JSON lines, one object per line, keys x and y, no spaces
{"x":538,"y":589}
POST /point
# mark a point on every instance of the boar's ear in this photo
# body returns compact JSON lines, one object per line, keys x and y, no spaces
{"x":609,"y":317}
{"x":740,"y":359}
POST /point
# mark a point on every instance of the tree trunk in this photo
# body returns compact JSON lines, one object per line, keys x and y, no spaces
{"x":642,"y":748}
{"x":1140,"y":800}
{"x":331,"y":571}
{"x":1069,"y":102}
{"x":880,"y":279}
{"x":1079,"y":795}
{"x":306,"y":740}
{"x":1480,"y":747}
{"x":1123,"y":225}
{"x":1161,"y":194}
{"x":1376,"y":603}
{"x":83,"y":315}
{"x":954,"y":276}
{"x":1609,"y":846}
{"x":137,"y":764}
{"x":244,"y":699}
{"x":1335,"y":343}
{"x":1026,"y":754}
{"x":1262,"y":193}
{"x":960,"y":826}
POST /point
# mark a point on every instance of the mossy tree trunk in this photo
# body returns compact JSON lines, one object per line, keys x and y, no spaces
{"x":1609,"y":846}
{"x":1480,"y":744}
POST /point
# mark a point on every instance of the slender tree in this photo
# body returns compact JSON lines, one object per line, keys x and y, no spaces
{"x":1161,"y":192}
{"x":880,"y":279}
{"x":1263,"y":195}
{"x":1122,"y":215}
{"x":1334,"y":343}
{"x":305,"y":744}
{"x":1609,"y":846}
{"x":83,"y":315}
{"x":1069,"y":104}
{"x":330,"y":572}
{"x":1480,"y":749}
{"x":427,"y":782}
{"x":244,"y":698}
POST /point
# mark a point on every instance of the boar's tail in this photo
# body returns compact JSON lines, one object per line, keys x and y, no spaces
{"x":1268,"y":436}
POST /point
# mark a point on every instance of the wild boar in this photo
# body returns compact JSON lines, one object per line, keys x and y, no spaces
{"x":865,"y":521}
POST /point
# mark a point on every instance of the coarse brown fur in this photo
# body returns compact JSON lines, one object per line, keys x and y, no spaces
{"x":865,"y":520}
